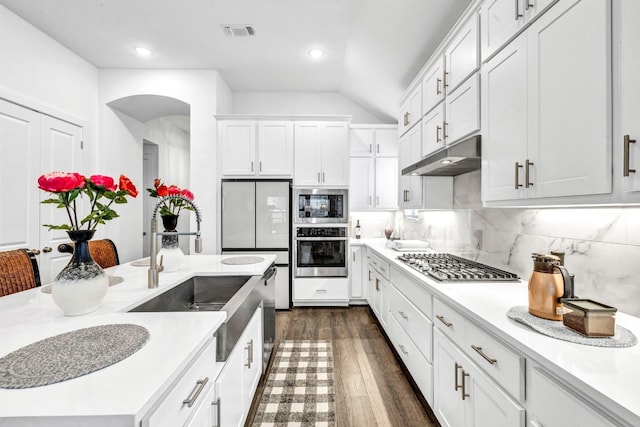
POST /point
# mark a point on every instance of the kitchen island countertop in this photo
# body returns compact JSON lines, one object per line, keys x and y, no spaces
{"x":126,"y":390}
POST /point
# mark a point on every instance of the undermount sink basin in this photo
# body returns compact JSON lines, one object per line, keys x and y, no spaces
{"x":200,"y":293}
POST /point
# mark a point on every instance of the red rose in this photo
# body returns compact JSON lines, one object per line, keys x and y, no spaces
{"x":157,"y":182}
{"x":173,"y":190}
{"x":162,"y":191}
{"x":187,"y":194}
{"x":104,"y":181}
{"x":127,"y":185}
{"x":60,"y":182}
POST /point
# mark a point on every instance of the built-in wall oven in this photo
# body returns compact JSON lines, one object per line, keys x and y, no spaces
{"x":320,"y":206}
{"x":321,"y":250}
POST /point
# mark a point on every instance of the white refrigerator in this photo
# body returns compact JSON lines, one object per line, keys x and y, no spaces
{"x":256,"y":220}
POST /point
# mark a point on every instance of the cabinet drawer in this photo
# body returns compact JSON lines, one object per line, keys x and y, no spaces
{"x":193,"y":384}
{"x":449,"y":321}
{"x":499,"y":362}
{"x":414,"y":292}
{"x":321,"y":289}
{"x":414,"y":323}
{"x":543,"y":394}
{"x":379,"y":264}
{"x":421,"y":370}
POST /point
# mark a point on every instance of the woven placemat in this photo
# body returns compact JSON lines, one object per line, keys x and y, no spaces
{"x":70,"y":355}
{"x":113,"y":280}
{"x":242,"y":260}
{"x":556,"y":329}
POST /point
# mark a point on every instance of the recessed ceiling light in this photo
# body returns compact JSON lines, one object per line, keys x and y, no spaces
{"x":142,"y":51}
{"x":316,"y":53}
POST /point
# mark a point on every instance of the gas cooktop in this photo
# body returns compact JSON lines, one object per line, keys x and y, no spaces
{"x":450,"y":268}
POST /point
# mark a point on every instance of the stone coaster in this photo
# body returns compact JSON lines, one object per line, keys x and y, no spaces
{"x":556,"y":329}
{"x":113,"y":280}
{"x":70,"y":355}
{"x":242,"y":260}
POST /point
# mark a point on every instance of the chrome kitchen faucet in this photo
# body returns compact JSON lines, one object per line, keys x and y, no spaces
{"x":153,"y":262}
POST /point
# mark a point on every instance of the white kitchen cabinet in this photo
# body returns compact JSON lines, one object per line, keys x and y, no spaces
{"x":373,"y":167}
{"x":462,"y":109}
{"x":465,"y":396}
{"x":433,"y":130}
{"x":237,"y":383}
{"x":321,"y":154}
{"x":183,"y":400}
{"x":551,"y":405}
{"x":629,"y":63}
{"x":410,"y":147}
{"x":567,"y":148}
{"x":501,"y":20}
{"x":428,"y":192}
{"x":462,"y":58}
{"x":204,"y":414}
{"x":378,"y":280}
{"x":410,"y":110}
{"x":256,"y":148}
{"x":433,"y":86}
{"x":309,"y":291}
{"x":357,"y":287}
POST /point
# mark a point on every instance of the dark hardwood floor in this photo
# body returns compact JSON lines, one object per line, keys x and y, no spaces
{"x":371,"y":388}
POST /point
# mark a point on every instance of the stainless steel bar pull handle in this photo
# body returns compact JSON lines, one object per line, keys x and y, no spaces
{"x":404,"y":350}
{"x":403,"y":315}
{"x":527,"y":4}
{"x":527,"y":166}
{"x":445,"y":125}
{"x":517,"y":184}
{"x":369,"y":200}
{"x":218,"y":407}
{"x":200,"y":384}
{"x":464,"y":384}
{"x":319,"y":178}
{"x":377,"y":200}
{"x":252,"y":166}
{"x":446,"y":83}
{"x":484,"y":356}
{"x":456,"y":366}
{"x":370,"y":148}
{"x":323,"y":180}
{"x":443,"y":320}
{"x":438,"y":134}
{"x":260,"y":164}
{"x":627,"y":143}
{"x":378,"y":148}
{"x":518,"y":14}
{"x":438,"y":90}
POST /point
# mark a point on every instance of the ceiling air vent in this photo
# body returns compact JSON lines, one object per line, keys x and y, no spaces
{"x":238,"y":30}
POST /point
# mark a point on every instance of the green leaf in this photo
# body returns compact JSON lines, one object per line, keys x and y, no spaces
{"x":57,"y":227}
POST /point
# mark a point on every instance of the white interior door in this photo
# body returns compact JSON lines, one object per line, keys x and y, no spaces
{"x":60,"y":151}
{"x":272,"y":215}
{"x":19,"y":151}
{"x":238,"y":215}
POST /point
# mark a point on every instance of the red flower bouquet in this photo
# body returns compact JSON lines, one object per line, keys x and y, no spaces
{"x":170,"y":206}
{"x":100,"y":190}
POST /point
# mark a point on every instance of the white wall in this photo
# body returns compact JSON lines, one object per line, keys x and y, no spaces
{"x":121,"y":151}
{"x":310,"y":103}
{"x":41,"y":74}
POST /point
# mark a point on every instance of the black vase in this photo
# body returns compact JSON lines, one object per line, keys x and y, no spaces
{"x":82,"y":284}
{"x":170,"y":223}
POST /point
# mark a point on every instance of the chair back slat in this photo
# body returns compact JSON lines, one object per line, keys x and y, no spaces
{"x":18,"y":271}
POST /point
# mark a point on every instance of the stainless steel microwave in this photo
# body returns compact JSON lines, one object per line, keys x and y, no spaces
{"x":320,"y":206}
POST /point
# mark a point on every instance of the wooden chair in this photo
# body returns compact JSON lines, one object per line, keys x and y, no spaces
{"x":103,"y":251}
{"x":18,"y":271}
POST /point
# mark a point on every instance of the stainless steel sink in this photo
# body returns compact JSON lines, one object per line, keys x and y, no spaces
{"x":238,"y":296}
{"x":200,"y":293}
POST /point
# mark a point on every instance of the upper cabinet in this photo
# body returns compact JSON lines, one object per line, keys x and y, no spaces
{"x":373,"y":167}
{"x":433,"y":86}
{"x":410,"y":110}
{"x":629,"y":64}
{"x":462,"y":58}
{"x":251,"y":148}
{"x":321,"y":154}
{"x":501,"y":20}
{"x":542,"y":135}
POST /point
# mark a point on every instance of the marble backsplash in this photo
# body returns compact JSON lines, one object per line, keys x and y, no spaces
{"x":602,"y":245}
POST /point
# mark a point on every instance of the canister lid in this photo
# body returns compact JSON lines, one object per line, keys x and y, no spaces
{"x":550,"y":259}
{"x":588,"y":306}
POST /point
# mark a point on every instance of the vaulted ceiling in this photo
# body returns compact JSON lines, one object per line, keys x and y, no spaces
{"x":373,"y":48}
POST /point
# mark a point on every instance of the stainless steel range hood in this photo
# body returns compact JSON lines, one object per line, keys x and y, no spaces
{"x":460,"y":158}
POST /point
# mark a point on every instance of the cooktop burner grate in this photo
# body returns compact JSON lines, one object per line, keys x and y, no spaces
{"x":451,"y":268}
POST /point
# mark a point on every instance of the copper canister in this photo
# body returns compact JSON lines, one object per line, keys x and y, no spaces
{"x":589,"y":317}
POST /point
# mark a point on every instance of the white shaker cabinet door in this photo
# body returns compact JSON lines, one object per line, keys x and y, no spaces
{"x":238,"y":152}
{"x":335,"y":154}
{"x":361,"y":183}
{"x":463,"y":111}
{"x":433,"y":131}
{"x":386,"y":141}
{"x":461,"y":56}
{"x":386,"y":183}
{"x":504,"y":123}
{"x":307,"y":153}
{"x":570,"y":99}
{"x":433,"y":86}
{"x":275,"y":148}
{"x":500,"y":20}
{"x":630,"y":90}
{"x":361,"y":141}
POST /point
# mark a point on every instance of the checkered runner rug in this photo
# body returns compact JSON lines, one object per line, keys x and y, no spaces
{"x":299,"y":389}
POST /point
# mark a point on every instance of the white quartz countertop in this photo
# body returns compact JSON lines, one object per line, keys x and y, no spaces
{"x":605,"y":375}
{"x":125,"y":390}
